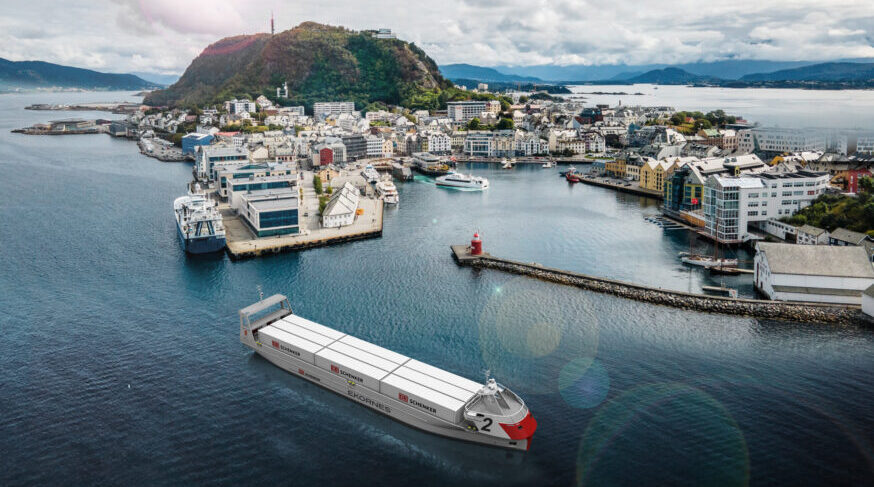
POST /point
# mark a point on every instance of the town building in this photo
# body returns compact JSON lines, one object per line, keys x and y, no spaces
{"x":384,"y":33}
{"x":191,"y":141}
{"x":333,"y":107}
{"x":464,"y":111}
{"x":730,"y":203}
{"x":439,"y":143}
{"x":843,"y":238}
{"x":341,"y":208}
{"x":269,"y":212}
{"x":237,"y":107}
{"x":772,"y":139}
{"x":817,"y":273}
{"x":375,"y":146}
{"x":213,"y":158}
{"x":226,"y":175}
{"x":356,"y":146}
{"x":810,"y":235}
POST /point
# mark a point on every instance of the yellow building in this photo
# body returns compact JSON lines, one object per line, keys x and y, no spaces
{"x":653,"y":174}
{"x":615,"y":168}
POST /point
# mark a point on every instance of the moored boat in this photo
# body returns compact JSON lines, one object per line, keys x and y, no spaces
{"x":199,"y":223}
{"x":370,"y":174}
{"x":404,"y":389}
{"x":387,"y":191}
{"x":707,"y":261}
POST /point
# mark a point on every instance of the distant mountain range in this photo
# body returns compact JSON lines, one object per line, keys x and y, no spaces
{"x":479,"y":73}
{"x":819,"y":72}
{"x":38,"y":74}
{"x":729,"y":70}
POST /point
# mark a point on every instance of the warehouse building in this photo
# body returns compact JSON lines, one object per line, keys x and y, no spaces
{"x":819,"y":273}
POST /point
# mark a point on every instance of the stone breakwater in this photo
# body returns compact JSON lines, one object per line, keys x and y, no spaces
{"x":755,"y":308}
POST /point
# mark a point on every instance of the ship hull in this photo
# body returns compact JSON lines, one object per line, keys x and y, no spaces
{"x":380,"y":403}
{"x":201,"y":245}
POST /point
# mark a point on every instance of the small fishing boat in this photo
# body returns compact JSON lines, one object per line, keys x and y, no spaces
{"x":572,"y":177}
{"x":562,"y":174}
{"x":707,"y":261}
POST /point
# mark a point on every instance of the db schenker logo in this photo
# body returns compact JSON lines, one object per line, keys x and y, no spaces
{"x":275,"y":344}
{"x":335,"y":369}
{"x":403,"y":397}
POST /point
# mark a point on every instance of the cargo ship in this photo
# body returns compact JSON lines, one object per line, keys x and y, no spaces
{"x":402,"y":388}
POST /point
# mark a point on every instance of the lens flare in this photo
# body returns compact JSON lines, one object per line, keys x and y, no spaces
{"x":529,"y":328}
{"x":681,"y":428}
{"x":583,"y":383}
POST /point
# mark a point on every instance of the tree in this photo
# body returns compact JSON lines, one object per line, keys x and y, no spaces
{"x":317,"y":183}
{"x":703,"y":123}
{"x":505,"y":124}
{"x":473,"y":124}
{"x":523,"y":99}
{"x":866,"y":184}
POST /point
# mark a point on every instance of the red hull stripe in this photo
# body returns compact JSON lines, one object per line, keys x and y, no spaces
{"x":522,"y":430}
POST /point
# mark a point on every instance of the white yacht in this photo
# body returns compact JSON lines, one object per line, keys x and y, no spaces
{"x":387,"y":191}
{"x":458,"y":180}
{"x":370,"y":174}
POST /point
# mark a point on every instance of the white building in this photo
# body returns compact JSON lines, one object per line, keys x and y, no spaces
{"x":340,"y":210}
{"x":865,"y":144}
{"x":269,"y":212}
{"x":819,"y":273}
{"x":463,"y":111}
{"x":482,"y":87}
{"x":731,"y":203}
{"x":773,"y":139}
{"x":529,"y":144}
{"x":868,"y":302}
{"x":333,"y":107}
{"x":240,"y":106}
{"x":439,"y":143}
{"x":384,"y":33}
{"x":810,"y":235}
{"x":375,"y":146}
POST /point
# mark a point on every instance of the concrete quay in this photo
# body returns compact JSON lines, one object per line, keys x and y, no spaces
{"x":632,"y":188}
{"x":755,"y":308}
{"x":242,"y":243}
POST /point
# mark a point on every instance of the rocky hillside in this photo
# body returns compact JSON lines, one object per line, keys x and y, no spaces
{"x":319,"y":62}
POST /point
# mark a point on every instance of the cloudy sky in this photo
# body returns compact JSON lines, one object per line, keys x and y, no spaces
{"x":162,"y":36}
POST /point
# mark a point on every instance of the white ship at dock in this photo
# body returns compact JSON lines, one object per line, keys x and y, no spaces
{"x":409,"y":391}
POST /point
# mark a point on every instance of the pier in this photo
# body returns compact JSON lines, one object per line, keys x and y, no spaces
{"x":632,"y":188}
{"x":243,"y":244}
{"x":755,"y":308}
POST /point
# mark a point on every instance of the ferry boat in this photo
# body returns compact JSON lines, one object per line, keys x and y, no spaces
{"x":370,"y":174}
{"x":459,"y":180}
{"x":199,"y":223}
{"x":402,"y":388}
{"x":388,"y":191}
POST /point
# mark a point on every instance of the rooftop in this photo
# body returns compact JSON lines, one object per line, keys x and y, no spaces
{"x":817,"y":260}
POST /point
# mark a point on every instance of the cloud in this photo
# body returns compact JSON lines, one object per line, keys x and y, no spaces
{"x":164,"y":35}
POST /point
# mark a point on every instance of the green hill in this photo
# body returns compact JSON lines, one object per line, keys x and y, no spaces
{"x":319,"y":62}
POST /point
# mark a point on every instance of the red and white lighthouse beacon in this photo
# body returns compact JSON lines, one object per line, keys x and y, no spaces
{"x":476,"y":245}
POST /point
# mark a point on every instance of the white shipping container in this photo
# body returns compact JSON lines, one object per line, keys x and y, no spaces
{"x":295,"y":346}
{"x":422,"y":398}
{"x":303,"y":333}
{"x":309,"y":325}
{"x":447,"y":377}
{"x":375,"y":349}
{"x":434,"y":384}
{"x":363,"y":356}
{"x":349,"y":368}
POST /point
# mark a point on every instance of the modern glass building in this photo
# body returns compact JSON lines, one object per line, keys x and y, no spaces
{"x":270,"y":212}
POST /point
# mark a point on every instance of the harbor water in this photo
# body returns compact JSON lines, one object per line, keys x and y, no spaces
{"x":122,"y":365}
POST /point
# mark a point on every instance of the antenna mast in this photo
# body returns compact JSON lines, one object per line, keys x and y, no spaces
{"x":272,"y":31}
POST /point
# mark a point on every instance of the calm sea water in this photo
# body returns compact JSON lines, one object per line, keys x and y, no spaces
{"x":841,"y":109}
{"x":121,"y":363}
